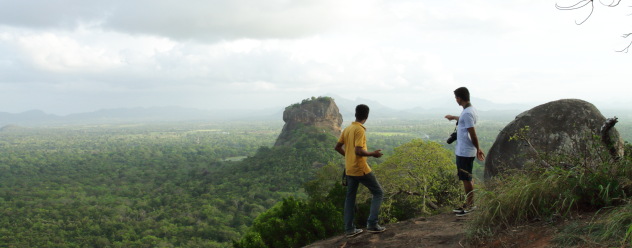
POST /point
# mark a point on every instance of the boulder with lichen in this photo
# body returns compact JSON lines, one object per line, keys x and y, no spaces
{"x":567,"y":128}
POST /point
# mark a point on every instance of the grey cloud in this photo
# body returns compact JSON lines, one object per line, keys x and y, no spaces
{"x":41,"y":14}
{"x":165,"y":70}
{"x":179,"y":20}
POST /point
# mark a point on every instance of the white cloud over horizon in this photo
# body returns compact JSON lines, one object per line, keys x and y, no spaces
{"x":76,"y":56}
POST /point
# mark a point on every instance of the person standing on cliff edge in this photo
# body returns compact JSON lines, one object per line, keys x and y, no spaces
{"x":467,"y":147}
{"x":352,"y":145}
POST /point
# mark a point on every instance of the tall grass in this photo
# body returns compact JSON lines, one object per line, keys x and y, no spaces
{"x":618,"y":226}
{"x":518,"y":199}
{"x":554,"y":193}
{"x":611,"y":227}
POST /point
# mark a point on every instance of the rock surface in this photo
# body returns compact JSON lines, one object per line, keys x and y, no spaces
{"x":321,"y":112}
{"x":565,"y":127}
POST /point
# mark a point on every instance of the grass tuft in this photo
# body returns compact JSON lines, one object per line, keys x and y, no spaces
{"x":553,"y":194}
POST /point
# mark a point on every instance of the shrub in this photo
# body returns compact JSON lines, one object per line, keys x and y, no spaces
{"x":417,"y":178}
{"x":293,"y":223}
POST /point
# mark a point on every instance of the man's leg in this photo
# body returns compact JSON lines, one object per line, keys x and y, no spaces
{"x":464,"y":166}
{"x":350,"y":199}
{"x":469,"y":193}
{"x":370,"y":181}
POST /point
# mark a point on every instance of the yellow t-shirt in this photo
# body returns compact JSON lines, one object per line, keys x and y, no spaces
{"x":351,"y":137}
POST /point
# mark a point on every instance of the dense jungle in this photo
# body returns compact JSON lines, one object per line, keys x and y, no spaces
{"x":209,"y":184}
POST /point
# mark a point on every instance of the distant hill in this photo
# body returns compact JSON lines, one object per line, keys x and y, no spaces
{"x":136,"y":115}
{"x":32,"y":116}
{"x":488,"y":110}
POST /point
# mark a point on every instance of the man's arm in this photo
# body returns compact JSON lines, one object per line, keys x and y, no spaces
{"x":363,"y":153}
{"x":339,"y":148}
{"x":479,"y":153}
{"x":452,"y":117}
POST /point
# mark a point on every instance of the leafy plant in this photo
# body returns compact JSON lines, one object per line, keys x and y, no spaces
{"x":293,"y":223}
{"x":419,"y":177}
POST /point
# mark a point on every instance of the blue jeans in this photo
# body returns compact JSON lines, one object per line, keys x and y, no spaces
{"x":373,"y":185}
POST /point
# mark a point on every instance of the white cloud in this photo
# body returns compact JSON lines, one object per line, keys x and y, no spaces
{"x":63,"y":54}
{"x":275,"y":52}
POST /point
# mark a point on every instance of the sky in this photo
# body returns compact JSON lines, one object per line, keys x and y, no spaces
{"x":74,"y":56}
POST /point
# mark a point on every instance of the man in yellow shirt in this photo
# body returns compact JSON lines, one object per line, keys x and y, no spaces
{"x":352,"y":145}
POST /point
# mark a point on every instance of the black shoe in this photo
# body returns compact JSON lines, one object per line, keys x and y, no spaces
{"x":465,"y":211}
{"x":376,"y":229}
{"x":459,"y":209}
{"x":462,"y":213}
{"x":354,"y":232}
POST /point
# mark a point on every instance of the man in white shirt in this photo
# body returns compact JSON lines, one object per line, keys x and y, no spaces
{"x":467,"y":147}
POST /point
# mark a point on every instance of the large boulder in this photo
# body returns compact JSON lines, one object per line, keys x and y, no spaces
{"x":321,"y":113}
{"x":568,"y":127}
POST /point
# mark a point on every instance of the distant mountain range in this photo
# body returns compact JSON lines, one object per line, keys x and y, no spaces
{"x":487,"y":109}
{"x":135,"y":115}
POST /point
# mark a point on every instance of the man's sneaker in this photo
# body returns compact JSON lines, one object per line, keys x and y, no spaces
{"x":462,"y":213}
{"x":354,"y":232}
{"x":458,"y":210}
{"x":376,"y":229}
{"x":465,"y":211}
{"x":461,"y":209}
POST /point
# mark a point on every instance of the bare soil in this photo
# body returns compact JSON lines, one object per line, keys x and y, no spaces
{"x":443,"y":230}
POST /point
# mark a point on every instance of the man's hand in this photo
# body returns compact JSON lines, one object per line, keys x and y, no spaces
{"x":361,"y":152}
{"x":377,"y":153}
{"x":480,"y":155}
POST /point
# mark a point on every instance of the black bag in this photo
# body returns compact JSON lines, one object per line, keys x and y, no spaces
{"x":344,"y":177}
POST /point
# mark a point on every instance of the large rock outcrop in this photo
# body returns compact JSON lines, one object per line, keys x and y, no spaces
{"x":568,"y":127}
{"x":321,"y":113}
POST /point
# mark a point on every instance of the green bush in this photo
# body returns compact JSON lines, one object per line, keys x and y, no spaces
{"x":418,"y":175}
{"x":293,"y":223}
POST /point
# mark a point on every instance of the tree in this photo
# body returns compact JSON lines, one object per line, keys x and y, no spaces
{"x":584,"y":3}
{"x":420,"y":176}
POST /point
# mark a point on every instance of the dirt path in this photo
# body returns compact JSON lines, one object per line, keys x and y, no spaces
{"x":443,"y":230}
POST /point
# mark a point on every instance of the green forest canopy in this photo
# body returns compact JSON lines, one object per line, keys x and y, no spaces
{"x":168,"y":185}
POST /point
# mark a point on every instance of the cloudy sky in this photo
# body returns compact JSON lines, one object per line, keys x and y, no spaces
{"x":71,"y":56}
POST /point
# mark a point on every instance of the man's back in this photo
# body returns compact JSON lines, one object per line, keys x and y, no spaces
{"x":354,"y":136}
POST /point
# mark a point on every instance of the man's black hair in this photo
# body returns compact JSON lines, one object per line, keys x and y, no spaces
{"x":362,"y":112}
{"x":462,"y":93}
